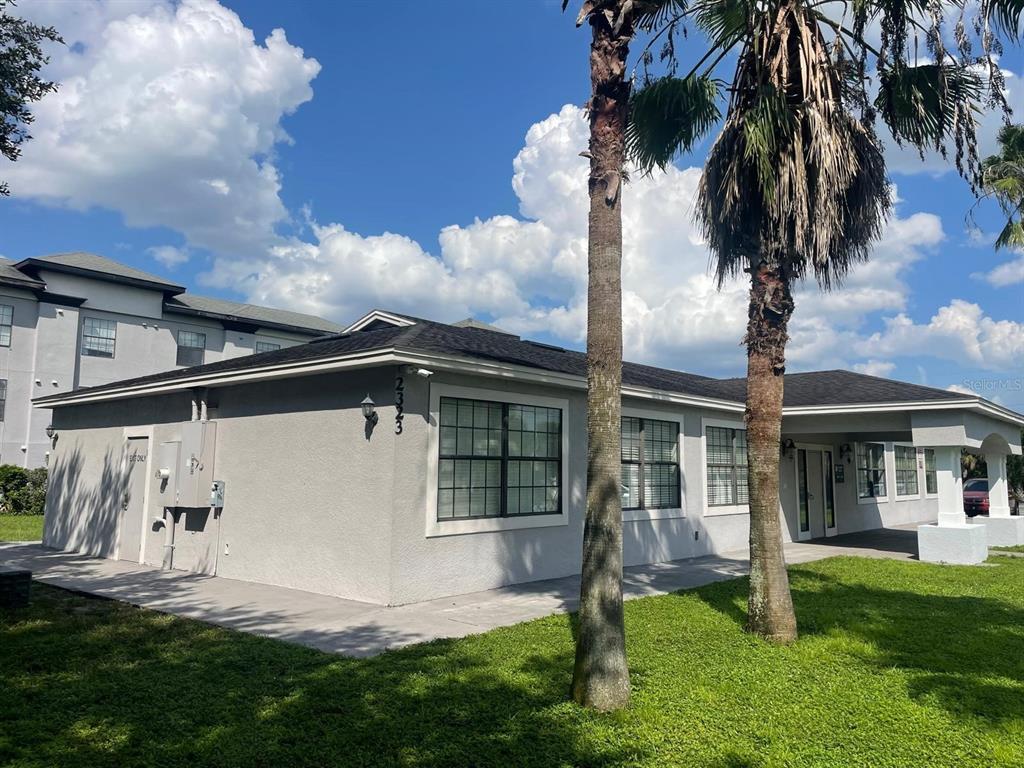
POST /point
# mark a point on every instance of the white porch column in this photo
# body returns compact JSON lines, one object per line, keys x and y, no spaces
{"x":953,"y":540}
{"x":950,"y":487}
{"x":998,"y":488}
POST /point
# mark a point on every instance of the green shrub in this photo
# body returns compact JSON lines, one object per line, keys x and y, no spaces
{"x":22,"y":491}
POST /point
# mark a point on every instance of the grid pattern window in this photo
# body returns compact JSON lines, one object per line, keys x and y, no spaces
{"x":3,"y":398}
{"x":6,"y":323}
{"x":498,"y":460}
{"x":804,"y":495}
{"x":871,"y":470}
{"x":830,"y":492}
{"x":906,"y":470}
{"x":191,"y":348}
{"x":931,"y":476}
{"x":650,"y":464}
{"x":726,"y":466}
{"x":266,"y":346}
{"x":98,"y":337}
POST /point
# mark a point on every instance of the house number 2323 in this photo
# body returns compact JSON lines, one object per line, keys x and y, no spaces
{"x":399,"y":403}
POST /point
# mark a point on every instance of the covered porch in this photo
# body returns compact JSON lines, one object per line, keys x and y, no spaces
{"x":842,"y":473}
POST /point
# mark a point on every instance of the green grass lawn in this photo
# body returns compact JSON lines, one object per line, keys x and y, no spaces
{"x":899,"y":664}
{"x":1018,"y":548}
{"x":21,"y":527}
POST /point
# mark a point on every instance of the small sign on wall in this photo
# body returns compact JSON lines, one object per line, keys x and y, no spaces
{"x":840,"y":473}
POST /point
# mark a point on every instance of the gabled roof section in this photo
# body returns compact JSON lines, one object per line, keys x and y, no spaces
{"x":265,"y":317}
{"x":377,"y":319}
{"x":381,"y":341}
{"x":99,"y":268}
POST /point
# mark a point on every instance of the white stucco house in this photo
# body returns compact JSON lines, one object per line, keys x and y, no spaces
{"x":404,"y":459}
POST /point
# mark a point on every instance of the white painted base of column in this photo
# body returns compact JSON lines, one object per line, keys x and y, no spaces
{"x":961,"y":544}
{"x":1003,"y":531}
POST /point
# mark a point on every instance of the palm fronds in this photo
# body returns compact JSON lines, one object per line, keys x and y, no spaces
{"x":793,"y":180}
{"x":668,"y":116}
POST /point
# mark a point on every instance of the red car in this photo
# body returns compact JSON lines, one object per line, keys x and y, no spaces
{"x":976,"y":496}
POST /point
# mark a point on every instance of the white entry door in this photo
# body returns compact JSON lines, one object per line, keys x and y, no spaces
{"x":129,"y":537}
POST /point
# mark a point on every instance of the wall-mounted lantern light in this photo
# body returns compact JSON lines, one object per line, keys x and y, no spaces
{"x":369,"y":411}
{"x":845,"y":451}
{"x":787,"y":446}
{"x":50,"y":431}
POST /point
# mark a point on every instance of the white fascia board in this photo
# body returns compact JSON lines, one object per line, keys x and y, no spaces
{"x":554,"y":378}
{"x":370,"y":359}
{"x":387,"y":317}
{"x":976,"y":404}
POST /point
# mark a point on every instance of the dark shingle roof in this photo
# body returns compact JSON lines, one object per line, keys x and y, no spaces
{"x":843,"y":388}
{"x":9,"y":275}
{"x":474,"y":343}
{"x":79,"y":262}
{"x":249,"y":312}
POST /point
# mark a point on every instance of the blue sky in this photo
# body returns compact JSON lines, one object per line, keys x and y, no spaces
{"x":425,"y":159}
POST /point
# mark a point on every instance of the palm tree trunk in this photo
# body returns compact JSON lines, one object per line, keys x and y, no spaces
{"x":600,"y":676}
{"x":770,"y":606}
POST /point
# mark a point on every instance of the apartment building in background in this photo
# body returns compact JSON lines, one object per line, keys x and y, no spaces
{"x":72,"y":320}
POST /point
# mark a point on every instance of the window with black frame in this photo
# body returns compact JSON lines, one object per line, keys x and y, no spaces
{"x":931,"y":475}
{"x":498,"y":460}
{"x":3,"y":398}
{"x":650,"y":464}
{"x":191,"y":348}
{"x":99,"y":337}
{"x":906,"y":470}
{"x":726,"y":451}
{"x":871,"y":470}
{"x":6,"y":324}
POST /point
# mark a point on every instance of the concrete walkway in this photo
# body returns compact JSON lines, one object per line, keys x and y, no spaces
{"x":364,"y":629}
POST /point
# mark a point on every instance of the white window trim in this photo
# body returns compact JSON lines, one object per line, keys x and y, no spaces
{"x":918,"y":465}
{"x":888,"y":461}
{"x":924,"y":473}
{"x":435,"y":527}
{"x":665,"y":513}
{"x":725,"y":509}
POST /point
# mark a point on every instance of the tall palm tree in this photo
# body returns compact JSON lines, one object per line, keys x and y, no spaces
{"x":795,"y":183}
{"x":600,"y":674}
{"x":1004,"y":180}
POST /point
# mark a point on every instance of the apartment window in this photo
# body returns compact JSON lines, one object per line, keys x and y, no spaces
{"x":726,"y":466}
{"x":906,"y":470}
{"x":871,"y":470}
{"x":6,"y":321}
{"x":191,"y":347}
{"x":931,"y":477}
{"x":3,"y":398}
{"x":266,"y":346}
{"x":498,"y":460}
{"x":650,"y":464}
{"x":98,"y":337}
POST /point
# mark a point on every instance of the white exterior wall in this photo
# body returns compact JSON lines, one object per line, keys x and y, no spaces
{"x":313,"y":502}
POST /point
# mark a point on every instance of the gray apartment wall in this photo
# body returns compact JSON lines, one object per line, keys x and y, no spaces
{"x":46,"y":344}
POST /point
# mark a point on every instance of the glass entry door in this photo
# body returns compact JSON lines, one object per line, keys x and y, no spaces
{"x":816,"y":515}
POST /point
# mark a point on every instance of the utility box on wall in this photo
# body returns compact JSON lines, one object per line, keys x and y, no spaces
{"x":167,"y":472}
{"x":195,"y":463}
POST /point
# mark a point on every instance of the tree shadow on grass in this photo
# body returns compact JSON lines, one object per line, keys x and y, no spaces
{"x":93,"y":683}
{"x":961,"y":652}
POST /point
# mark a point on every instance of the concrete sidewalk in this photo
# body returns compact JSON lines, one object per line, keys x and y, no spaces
{"x":364,"y":629}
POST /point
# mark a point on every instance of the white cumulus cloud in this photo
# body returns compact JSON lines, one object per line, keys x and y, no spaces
{"x":168,"y":113}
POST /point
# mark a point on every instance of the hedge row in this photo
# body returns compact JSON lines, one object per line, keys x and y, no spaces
{"x":22,"y":491}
